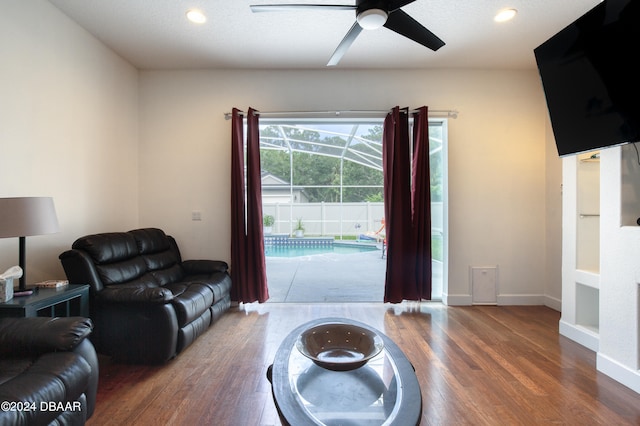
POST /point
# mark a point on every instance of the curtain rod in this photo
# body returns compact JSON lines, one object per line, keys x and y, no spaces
{"x":435,"y":112}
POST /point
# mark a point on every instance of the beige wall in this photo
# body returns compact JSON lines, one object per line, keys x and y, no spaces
{"x":68,"y":129}
{"x":498,"y":158}
{"x":119,"y":148}
{"x":553,"y":217}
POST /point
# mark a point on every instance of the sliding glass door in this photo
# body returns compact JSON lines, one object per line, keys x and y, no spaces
{"x":324,"y":177}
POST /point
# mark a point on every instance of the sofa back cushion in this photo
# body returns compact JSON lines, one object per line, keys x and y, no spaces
{"x":116,"y":258}
{"x":160,"y":254}
{"x":109,"y":247}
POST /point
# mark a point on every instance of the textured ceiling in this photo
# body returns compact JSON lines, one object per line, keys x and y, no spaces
{"x":154,"y":34}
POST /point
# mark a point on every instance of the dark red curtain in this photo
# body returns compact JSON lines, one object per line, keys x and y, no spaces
{"x":407,"y":206}
{"x":248,"y":267}
{"x":238,"y":217}
{"x":421,"y":202}
{"x":400,"y":277}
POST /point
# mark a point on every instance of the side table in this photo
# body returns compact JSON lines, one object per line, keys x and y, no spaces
{"x":71,"y":300}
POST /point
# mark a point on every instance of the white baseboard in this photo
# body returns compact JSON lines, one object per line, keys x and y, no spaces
{"x":506,"y":300}
{"x":456,"y":299}
{"x":581,"y":335}
{"x":553,"y":303}
{"x":618,"y":372}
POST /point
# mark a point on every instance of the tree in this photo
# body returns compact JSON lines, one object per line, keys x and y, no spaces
{"x":316,"y":162}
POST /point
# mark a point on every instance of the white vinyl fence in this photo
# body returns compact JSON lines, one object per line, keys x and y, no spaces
{"x":335,"y":219}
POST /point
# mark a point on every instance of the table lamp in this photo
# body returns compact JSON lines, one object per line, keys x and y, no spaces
{"x":26,"y":216}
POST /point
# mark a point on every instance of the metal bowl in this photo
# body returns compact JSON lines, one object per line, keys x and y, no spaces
{"x":339,"y":346}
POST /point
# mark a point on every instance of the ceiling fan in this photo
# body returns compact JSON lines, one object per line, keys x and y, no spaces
{"x":370,"y":15}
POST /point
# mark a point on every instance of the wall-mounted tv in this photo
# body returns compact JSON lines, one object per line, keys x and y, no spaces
{"x":591,"y":78}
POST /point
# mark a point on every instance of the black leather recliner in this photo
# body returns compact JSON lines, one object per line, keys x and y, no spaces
{"x":48,"y":371}
{"x":147,"y":304}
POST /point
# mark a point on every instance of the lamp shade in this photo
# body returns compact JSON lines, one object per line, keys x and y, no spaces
{"x":26,"y":216}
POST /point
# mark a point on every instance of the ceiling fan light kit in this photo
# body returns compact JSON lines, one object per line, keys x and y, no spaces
{"x":372,"y":19}
{"x":370,"y":15}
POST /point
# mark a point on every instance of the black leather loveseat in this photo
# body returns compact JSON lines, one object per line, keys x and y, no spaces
{"x":147,"y":304}
{"x":48,"y":371}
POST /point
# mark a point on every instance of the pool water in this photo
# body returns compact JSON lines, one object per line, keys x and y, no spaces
{"x":290,"y":251}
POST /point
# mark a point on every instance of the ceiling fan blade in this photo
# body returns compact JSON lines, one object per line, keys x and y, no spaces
{"x":345,"y":44}
{"x":397,"y":4}
{"x":405,"y":25}
{"x":294,"y":7}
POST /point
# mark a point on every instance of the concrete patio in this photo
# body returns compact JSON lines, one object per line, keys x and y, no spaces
{"x":357,"y":277}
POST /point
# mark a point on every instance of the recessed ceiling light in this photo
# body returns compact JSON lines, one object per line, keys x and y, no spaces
{"x":505,"y":15}
{"x":196,"y":16}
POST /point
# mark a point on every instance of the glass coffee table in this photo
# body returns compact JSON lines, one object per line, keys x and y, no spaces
{"x":385,"y":391}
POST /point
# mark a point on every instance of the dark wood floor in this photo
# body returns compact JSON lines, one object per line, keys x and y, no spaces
{"x":476,"y":366}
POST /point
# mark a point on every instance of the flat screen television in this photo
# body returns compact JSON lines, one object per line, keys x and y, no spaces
{"x":591,"y":78}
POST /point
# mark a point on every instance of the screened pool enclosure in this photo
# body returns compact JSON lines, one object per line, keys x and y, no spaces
{"x":328,"y":174}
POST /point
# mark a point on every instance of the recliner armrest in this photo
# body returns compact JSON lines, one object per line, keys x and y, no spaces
{"x":155,"y":295}
{"x":201,"y":267}
{"x":38,"y":335}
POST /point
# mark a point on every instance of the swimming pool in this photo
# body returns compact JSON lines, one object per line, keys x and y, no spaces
{"x":310,"y":250}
